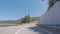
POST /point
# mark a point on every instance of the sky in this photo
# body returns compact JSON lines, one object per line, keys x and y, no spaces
{"x":16,"y":9}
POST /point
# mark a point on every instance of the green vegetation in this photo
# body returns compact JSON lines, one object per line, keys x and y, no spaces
{"x":8,"y":22}
{"x":27,"y":19}
{"x":33,"y":19}
{"x":52,"y":2}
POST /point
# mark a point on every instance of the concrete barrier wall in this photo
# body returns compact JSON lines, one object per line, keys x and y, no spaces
{"x":52,"y":16}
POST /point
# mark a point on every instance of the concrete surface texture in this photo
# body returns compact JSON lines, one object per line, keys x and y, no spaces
{"x":52,"y":16}
{"x":23,"y":29}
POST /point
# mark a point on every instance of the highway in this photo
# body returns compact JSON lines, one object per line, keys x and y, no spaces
{"x":30,"y":28}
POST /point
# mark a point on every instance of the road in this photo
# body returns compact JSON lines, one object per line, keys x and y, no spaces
{"x":22,"y":29}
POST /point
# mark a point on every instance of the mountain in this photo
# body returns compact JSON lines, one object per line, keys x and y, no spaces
{"x":33,"y":19}
{"x":9,"y":21}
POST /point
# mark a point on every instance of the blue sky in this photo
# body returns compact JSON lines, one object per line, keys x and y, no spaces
{"x":15,"y":9}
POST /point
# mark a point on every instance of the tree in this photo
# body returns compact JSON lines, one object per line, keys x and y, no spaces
{"x":52,"y":2}
{"x":27,"y":19}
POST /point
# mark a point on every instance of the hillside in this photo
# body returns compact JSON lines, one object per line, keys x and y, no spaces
{"x":9,"y":22}
{"x":32,"y":19}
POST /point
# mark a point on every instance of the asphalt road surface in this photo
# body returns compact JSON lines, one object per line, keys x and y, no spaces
{"x":30,"y":28}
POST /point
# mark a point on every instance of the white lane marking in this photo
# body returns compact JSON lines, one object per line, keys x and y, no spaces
{"x":20,"y":30}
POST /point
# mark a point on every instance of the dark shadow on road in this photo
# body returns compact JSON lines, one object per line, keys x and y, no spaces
{"x":38,"y":29}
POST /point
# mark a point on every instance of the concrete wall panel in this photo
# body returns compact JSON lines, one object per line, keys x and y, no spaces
{"x":52,"y":16}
